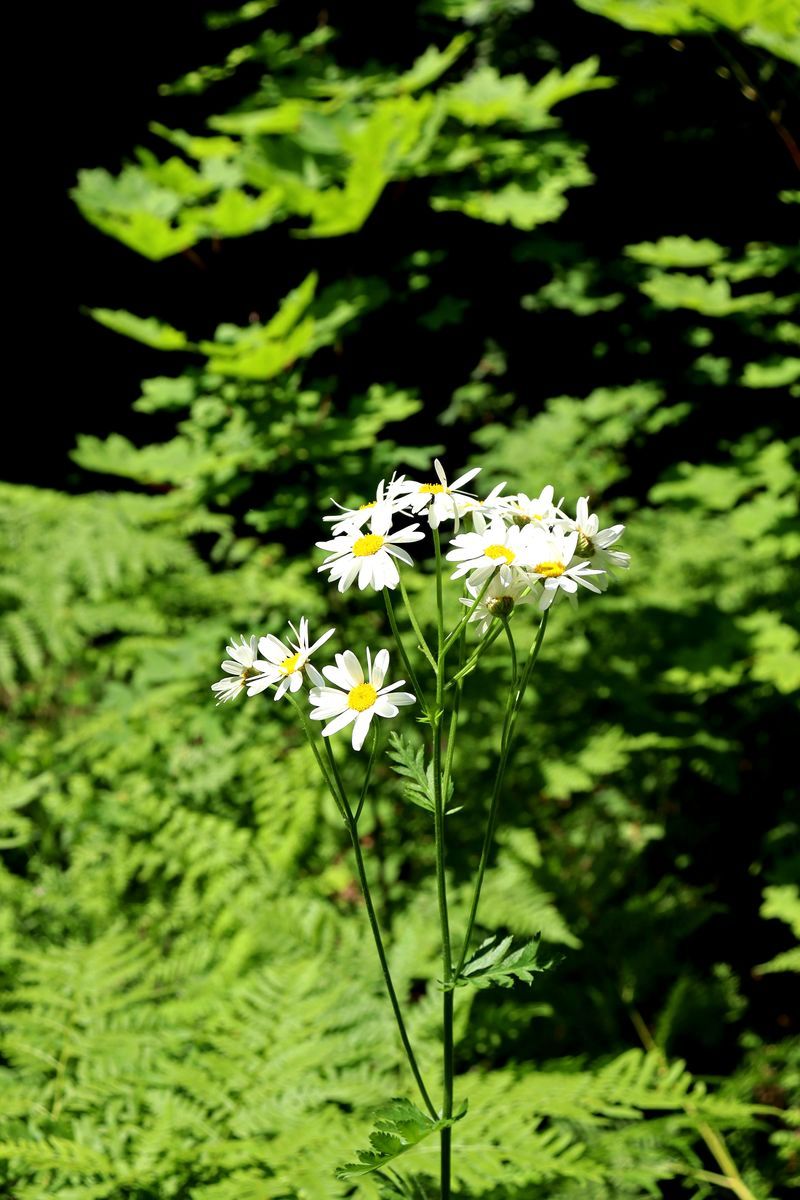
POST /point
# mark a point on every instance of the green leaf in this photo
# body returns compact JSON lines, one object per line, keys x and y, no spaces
{"x":778,"y":373}
{"x":408,"y":757}
{"x":148,"y":330}
{"x":677,"y":252}
{"x":283,"y":118}
{"x":399,"y":1126}
{"x":713,"y":298}
{"x":496,"y":963}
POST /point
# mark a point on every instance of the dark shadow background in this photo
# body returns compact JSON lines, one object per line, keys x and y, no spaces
{"x":676,"y":148}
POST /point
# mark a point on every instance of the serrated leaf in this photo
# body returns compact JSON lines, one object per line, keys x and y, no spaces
{"x":496,"y":963}
{"x":399,"y":1126}
{"x":408,"y":758}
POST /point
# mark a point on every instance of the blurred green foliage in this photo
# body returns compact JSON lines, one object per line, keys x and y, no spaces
{"x":191,"y":1009}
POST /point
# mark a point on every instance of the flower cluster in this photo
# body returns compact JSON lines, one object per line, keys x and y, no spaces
{"x":355,"y":697}
{"x":519,"y":547}
{"x":518,"y":550}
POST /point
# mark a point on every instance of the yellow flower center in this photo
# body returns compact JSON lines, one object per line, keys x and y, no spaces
{"x":369,"y":544}
{"x":246,"y":672}
{"x":432,"y":489}
{"x":289,"y":664}
{"x":371,"y":504}
{"x":498,"y":551}
{"x":550,"y":570}
{"x":362,"y":697}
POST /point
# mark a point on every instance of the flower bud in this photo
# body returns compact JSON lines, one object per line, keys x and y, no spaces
{"x":500,"y":606}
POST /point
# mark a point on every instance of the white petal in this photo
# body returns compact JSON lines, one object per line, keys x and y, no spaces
{"x":260,"y":684}
{"x":465,"y":478}
{"x":348,"y":576}
{"x":365,"y":573}
{"x":343,"y":719}
{"x":384,"y":708}
{"x":352,"y":667}
{"x":339,"y":676}
{"x":320,"y":641}
{"x":390,"y":573}
{"x":401,"y":698}
{"x":412,"y":533}
{"x":379,"y":668}
{"x":607,"y":537}
{"x":361,"y":727}
{"x":273,"y":650}
{"x":314,"y":675}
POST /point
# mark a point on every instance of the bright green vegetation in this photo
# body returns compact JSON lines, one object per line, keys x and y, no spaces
{"x":191,"y":1008}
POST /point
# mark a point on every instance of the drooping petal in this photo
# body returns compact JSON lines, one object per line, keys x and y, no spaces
{"x":361,"y":727}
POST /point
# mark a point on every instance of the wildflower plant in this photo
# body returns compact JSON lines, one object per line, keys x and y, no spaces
{"x":510,"y":556}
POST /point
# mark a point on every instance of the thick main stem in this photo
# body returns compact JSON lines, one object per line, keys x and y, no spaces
{"x":441,"y":886}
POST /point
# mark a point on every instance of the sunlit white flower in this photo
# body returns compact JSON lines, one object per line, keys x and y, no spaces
{"x":552,"y":560}
{"x":239,"y":668}
{"x":388,"y":500}
{"x":284,"y":664}
{"x":443,"y":501}
{"x":492,"y":547}
{"x":537,"y":511}
{"x":356,"y":699}
{"x":593,"y":542}
{"x":368,"y":557}
{"x":499,"y":600}
{"x":482,"y":511}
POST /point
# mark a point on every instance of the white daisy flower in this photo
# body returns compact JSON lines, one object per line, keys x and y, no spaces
{"x":443,"y":501}
{"x":368,"y":557}
{"x":537,"y":511}
{"x":552,"y":560}
{"x":239,"y":667}
{"x":388,"y":501}
{"x":355,"y":699}
{"x":284,"y":664}
{"x":593,"y":542}
{"x":499,"y":600}
{"x":491,"y":506}
{"x":490,"y":547}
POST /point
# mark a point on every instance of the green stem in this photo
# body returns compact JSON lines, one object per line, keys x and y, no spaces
{"x":515,"y":698}
{"x":352,"y":828}
{"x":411,"y":673}
{"x":311,"y":733}
{"x":441,"y":886}
{"x":415,"y":625}
{"x":451,"y":734}
{"x":491,"y":635}
{"x":368,"y":775}
{"x":451,"y":637}
{"x":513,"y":650}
